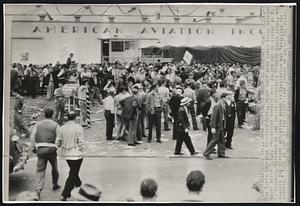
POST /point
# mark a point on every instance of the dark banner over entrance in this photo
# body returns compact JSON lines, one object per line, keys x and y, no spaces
{"x":242,"y":55}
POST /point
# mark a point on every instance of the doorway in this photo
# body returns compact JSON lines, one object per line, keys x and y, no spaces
{"x":105,"y":50}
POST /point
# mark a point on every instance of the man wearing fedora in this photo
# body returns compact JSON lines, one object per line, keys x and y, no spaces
{"x":86,"y":192}
{"x":218,"y":125}
{"x":182,"y":128}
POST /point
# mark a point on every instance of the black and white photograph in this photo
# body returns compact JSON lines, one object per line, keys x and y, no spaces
{"x":147,"y":103}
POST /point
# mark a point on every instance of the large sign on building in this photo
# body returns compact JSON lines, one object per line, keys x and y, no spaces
{"x":51,"y":38}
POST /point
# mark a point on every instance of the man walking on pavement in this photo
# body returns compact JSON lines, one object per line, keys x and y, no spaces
{"x":175,"y":105}
{"x":217,"y":124}
{"x":182,"y":128}
{"x":70,"y":139}
{"x":43,"y":139}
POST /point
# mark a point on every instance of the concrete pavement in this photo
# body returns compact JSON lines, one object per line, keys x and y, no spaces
{"x":117,"y":169}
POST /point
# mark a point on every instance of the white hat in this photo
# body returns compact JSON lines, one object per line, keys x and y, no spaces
{"x":185,"y":101}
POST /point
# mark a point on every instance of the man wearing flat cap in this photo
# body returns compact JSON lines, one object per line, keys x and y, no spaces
{"x":218,"y":125}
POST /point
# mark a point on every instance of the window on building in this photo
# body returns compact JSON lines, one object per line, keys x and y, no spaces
{"x":130,"y":45}
{"x":117,"y":46}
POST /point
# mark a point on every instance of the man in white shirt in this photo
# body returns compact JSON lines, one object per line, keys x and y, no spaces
{"x":164,"y":94}
{"x":85,"y":74}
{"x":82,"y":90}
{"x":109,"y":113}
{"x":190,"y":93}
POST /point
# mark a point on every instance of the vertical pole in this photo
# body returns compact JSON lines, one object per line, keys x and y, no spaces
{"x":69,"y":102}
{"x":88,"y":114}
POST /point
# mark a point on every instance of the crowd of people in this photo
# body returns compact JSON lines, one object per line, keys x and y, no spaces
{"x":135,"y":97}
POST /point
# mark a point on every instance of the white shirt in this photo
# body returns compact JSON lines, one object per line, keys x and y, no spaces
{"x":108,"y":104}
{"x":85,"y":74}
{"x":82,"y":92}
{"x":164,"y":93}
{"x":238,"y":81}
{"x":45,"y":71}
{"x":70,"y":139}
{"x":213,"y":104}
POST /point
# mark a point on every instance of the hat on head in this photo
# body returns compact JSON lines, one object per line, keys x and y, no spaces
{"x":136,"y":86}
{"x":185,"y":101}
{"x":111,"y":90}
{"x":226,"y":93}
{"x":188,"y":82}
{"x":180,"y":89}
{"x":86,"y":192}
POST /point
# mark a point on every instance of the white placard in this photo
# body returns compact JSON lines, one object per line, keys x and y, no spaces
{"x":187,"y":57}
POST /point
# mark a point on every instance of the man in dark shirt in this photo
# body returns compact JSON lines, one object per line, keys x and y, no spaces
{"x":202,"y":95}
{"x":174,"y":106}
{"x":69,"y":60}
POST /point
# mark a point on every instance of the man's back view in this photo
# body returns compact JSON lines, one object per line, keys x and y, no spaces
{"x":43,"y":139}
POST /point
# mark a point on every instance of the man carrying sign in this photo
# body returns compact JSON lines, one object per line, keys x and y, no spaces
{"x":187,"y":57}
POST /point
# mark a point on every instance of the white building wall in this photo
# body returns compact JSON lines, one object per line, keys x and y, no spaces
{"x":53,"y":41}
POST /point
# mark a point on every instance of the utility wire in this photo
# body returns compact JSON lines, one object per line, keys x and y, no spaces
{"x":58,"y":9}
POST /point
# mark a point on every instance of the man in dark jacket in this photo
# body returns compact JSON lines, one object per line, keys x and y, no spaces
{"x":174,"y":106}
{"x":43,"y":137}
{"x":207,"y":110}
{"x":218,"y":124}
{"x":230,"y":119}
{"x":131,"y":108}
{"x":202,"y":96}
{"x":95,"y":87}
{"x":182,"y":128}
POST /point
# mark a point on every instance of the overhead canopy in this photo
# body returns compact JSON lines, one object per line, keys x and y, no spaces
{"x":224,"y":54}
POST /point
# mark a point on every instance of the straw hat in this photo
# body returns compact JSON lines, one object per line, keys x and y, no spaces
{"x":185,"y":101}
{"x":86,"y":192}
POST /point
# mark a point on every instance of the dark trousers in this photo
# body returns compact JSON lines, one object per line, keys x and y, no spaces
{"x":174,"y":127}
{"x":32,"y":86}
{"x":110,"y":123}
{"x":209,"y":134}
{"x":165,"y":110}
{"x":184,"y":137}
{"x":142,"y":121}
{"x":203,"y":119}
{"x":229,"y":131}
{"x":95,"y":95}
{"x":155,"y":119}
{"x":60,"y":110}
{"x":255,"y":81}
{"x":73,"y":179}
{"x":43,"y":85}
{"x":191,"y":110}
{"x":217,"y":139}
{"x":241,"y":112}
